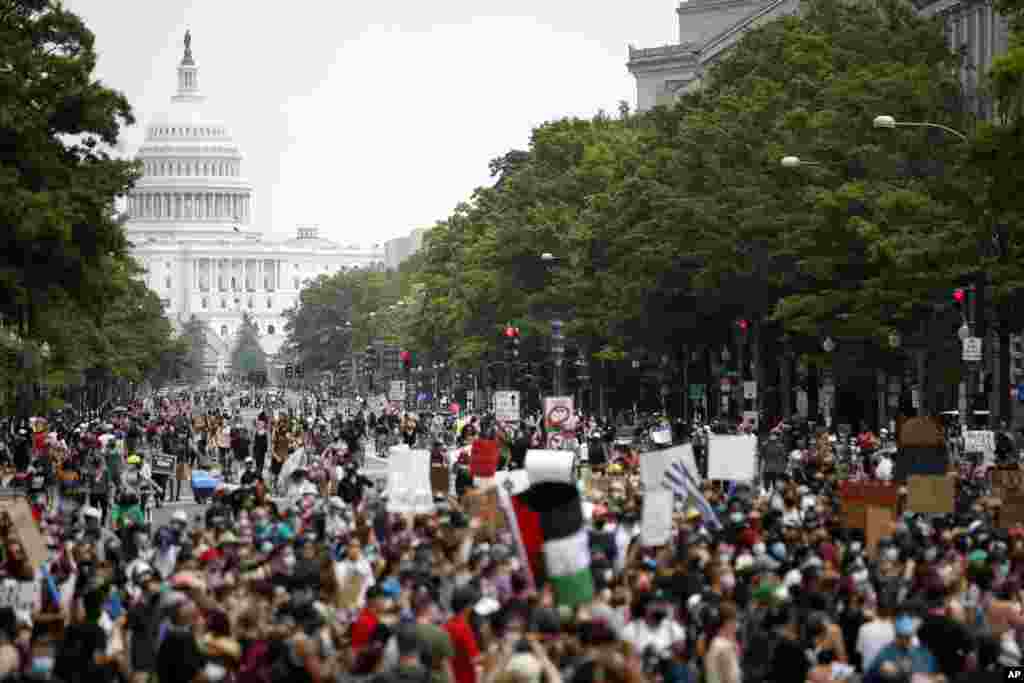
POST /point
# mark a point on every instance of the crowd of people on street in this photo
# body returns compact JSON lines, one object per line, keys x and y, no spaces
{"x":296,"y":571}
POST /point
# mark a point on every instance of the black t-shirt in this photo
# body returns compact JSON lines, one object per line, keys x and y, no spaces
{"x":789,"y":662}
{"x":179,"y":658}
{"x":143,"y":622}
{"x":948,"y":640}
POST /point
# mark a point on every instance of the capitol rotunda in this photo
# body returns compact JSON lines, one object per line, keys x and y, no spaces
{"x":191,"y":224}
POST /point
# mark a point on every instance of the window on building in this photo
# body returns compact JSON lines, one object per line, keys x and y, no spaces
{"x":270,"y":302}
{"x":256,"y":326}
{"x":223,"y":330}
{"x":250,"y":302}
{"x":223,"y":303}
{"x":296,"y":283}
{"x":206,"y":302}
{"x":234,"y":284}
{"x":167,"y":282}
{"x":270,"y":329}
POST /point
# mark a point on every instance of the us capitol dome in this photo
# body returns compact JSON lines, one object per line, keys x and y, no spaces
{"x":190,"y":221}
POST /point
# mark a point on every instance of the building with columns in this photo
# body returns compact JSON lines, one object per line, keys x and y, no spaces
{"x":708,"y":28}
{"x":191,"y":224}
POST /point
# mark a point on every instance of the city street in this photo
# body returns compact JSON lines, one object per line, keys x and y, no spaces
{"x":163,"y":514}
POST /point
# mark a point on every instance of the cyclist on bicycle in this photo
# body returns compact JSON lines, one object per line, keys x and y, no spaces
{"x":135,"y":482}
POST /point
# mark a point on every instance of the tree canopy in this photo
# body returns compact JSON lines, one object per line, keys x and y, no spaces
{"x":71,"y":303}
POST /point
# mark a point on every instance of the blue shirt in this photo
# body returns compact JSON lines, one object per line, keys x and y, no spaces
{"x":917,"y":659}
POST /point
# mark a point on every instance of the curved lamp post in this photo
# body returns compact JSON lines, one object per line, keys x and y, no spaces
{"x":889,"y":122}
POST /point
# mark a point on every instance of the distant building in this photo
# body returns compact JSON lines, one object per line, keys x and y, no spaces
{"x":191,"y":227}
{"x":399,"y":249}
{"x":708,"y":28}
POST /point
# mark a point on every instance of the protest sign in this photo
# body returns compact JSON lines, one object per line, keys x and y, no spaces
{"x":21,"y":596}
{"x":28,"y":532}
{"x":656,"y":525}
{"x":732,"y":458}
{"x":931,"y":494}
{"x":409,"y":490}
{"x":981,"y":441}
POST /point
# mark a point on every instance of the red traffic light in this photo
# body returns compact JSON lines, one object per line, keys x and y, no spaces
{"x":511,"y":331}
{"x":959,"y":295}
{"x":743,"y":324}
{"x":405,"y":356}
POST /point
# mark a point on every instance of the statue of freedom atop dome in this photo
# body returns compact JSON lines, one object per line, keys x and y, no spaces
{"x":188,"y":45}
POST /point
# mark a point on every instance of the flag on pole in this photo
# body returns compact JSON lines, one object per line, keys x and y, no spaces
{"x":549,"y":525}
{"x":681,"y":482}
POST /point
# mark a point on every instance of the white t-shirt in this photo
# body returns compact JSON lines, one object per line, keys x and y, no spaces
{"x":872,"y":638}
{"x":640,"y":634}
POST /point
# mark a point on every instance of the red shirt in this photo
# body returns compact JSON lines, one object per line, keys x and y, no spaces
{"x":466,"y":650}
{"x":362,"y":629}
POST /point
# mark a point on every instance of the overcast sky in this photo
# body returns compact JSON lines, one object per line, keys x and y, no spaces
{"x":371,"y":119}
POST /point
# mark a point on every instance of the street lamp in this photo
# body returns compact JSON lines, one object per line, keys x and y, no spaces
{"x":889,"y":122}
{"x":796,"y":162}
{"x":828,"y":345}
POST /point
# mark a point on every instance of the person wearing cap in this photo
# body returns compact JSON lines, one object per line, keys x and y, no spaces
{"x":902,"y":658}
{"x":653,"y":627}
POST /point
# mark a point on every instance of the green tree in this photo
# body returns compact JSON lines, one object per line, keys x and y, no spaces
{"x":57,"y":190}
{"x":344,"y":312}
{"x":248,"y":356}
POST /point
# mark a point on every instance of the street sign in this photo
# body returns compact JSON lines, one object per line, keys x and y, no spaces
{"x":397,"y":392}
{"x":696,"y":392}
{"x":506,"y":406}
{"x":972,"y":349}
{"x":750,"y":390}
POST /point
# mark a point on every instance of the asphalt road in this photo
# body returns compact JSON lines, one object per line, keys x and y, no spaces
{"x":163,"y":514}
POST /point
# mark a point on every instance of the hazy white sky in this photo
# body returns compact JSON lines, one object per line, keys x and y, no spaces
{"x":370,"y":119}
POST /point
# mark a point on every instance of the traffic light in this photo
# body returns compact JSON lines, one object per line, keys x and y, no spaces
{"x":743,"y":324}
{"x":959,"y":299}
{"x":511,"y":341}
{"x":406,"y":359}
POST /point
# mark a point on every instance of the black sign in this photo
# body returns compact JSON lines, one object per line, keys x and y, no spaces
{"x":164,"y":463}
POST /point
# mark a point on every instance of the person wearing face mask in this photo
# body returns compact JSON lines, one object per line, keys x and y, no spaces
{"x":653,"y":627}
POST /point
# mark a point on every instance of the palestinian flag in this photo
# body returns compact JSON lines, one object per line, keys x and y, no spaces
{"x":549,"y":517}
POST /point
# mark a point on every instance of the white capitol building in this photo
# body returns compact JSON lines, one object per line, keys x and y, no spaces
{"x":190,"y":224}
